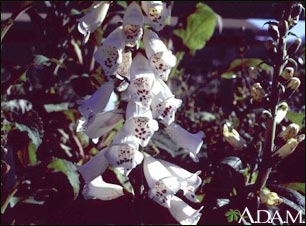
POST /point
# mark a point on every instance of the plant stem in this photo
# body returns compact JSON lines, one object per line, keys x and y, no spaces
{"x":179,"y":57}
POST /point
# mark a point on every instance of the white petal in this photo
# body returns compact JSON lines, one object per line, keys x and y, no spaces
{"x":94,"y":167}
{"x":99,"y":189}
{"x":184,"y":213}
{"x":140,"y":67}
{"x":93,"y":19}
{"x":154,"y":170}
{"x":142,"y":128}
{"x":124,"y":157}
{"x":140,"y":90}
{"x":161,"y":91}
{"x":157,"y":13}
{"x":165,"y":111}
{"x":233,"y":137}
{"x":103,"y":123}
{"x":133,"y":15}
{"x":164,"y":190}
{"x":137,"y":109}
{"x":152,"y":43}
{"x":97,"y":102}
{"x":189,"y":181}
{"x":132,"y":24}
{"x":162,"y":63}
{"x":191,"y":142}
{"x":109,"y":54}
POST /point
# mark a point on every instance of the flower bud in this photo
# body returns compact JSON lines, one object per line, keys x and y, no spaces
{"x":273,"y":31}
{"x":290,"y":132}
{"x":281,"y":112}
{"x":257,"y":92}
{"x":233,"y":137}
{"x":287,"y":73}
{"x":294,"y":83}
{"x":294,"y":47}
{"x":289,"y":147}
{"x":269,"y":198}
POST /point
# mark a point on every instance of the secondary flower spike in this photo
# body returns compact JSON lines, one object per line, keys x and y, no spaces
{"x":93,"y":19}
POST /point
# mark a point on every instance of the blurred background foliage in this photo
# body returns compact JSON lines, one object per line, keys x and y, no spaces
{"x":45,"y":69}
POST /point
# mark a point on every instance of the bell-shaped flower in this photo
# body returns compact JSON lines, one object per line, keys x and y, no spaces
{"x":93,"y":19}
{"x":163,"y":186}
{"x":97,"y":102}
{"x":291,"y":131}
{"x":161,"y":59}
{"x":233,"y":137}
{"x":132,"y":24}
{"x":142,"y":80}
{"x":281,"y":112}
{"x":269,"y":198}
{"x":157,"y":13}
{"x":192,"y":143}
{"x":189,"y":181}
{"x":94,"y":167}
{"x":184,"y":213}
{"x":257,"y":92}
{"x":164,"y":104}
{"x":123,"y":153}
{"x":142,"y":127}
{"x":287,"y":73}
{"x":101,"y":124}
{"x":109,"y":53}
{"x":289,"y":147}
{"x":99,"y":189}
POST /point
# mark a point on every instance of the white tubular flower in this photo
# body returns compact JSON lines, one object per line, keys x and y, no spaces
{"x":161,"y":59}
{"x":281,"y":112}
{"x":189,"y":181}
{"x":289,"y":147}
{"x":142,"y":80}
{"x":162,"y":185}
{"x":132,"y":24}
{"x":291,"y":131}
{"x":269,"y":198}
{"x":97,"y":102}
{"x":93,"y":19}
{"x":233,"y":137}
{"x":109,"y":53}
{"x":184,"y":213}
{"x":101,"y":124}
{"x":94,"y":167}
{"x":142,"y":127}
{"x":190,"y":142}
{"x":157,"y":13}
{"x":123,"y":154}
{"x":287,"y":73}
{"x":164,"y":104}
{"x":123,"y":71}
{"x":99,"y":189}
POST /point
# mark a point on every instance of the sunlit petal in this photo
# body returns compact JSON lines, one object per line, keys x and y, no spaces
{"x":97,"y":102}
{"x":93,"y":19}
{"x":109,"y":53}
{"x":190,"y":142}
{"x":233,"y":137}
{"x":99,"y":189}
{"x":132,"y":24}
{"x":157,"y":13}
{"x":94,"y":167}
{"x":184,"y":213}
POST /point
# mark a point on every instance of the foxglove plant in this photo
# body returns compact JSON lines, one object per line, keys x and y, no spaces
{"x":150,"y":103}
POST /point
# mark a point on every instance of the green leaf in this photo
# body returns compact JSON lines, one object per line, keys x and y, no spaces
{"x":200,"y":27}
{"x":237,"y":64}
{"x":300,"y":187}
{"x":56,"y":107}
{"x":32,"y":153}
{"x":124,"y":181}
{"x":69,"y":169}
{"x":230,"y":218}
{"x":296,"y":117}
{"x":33,"y":133}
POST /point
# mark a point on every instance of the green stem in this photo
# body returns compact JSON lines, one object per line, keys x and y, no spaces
{"x":179,"y":57}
